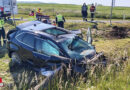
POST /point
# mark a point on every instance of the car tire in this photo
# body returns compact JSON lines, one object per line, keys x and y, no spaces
{"x":16,"y":60}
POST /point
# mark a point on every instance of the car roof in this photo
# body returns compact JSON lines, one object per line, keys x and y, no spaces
{"x":38,"y":33}
{"x":38,"y":27}
{"x":58,"y":39}
{"x":34,"y":25}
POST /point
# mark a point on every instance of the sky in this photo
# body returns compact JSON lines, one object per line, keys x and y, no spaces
{"x":80,"y":2}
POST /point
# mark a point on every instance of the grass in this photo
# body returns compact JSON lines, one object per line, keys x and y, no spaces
{"x":72,"y":10}
{"x":114,"y":76}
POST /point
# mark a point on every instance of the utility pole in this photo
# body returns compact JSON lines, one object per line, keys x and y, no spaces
{"x":112,"y":5}
{"x":13,"y":13}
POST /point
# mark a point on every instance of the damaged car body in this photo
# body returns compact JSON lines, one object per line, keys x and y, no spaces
{"x":46,"y":46}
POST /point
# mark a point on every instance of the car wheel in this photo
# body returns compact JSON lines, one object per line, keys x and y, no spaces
{"x":15,"y":59}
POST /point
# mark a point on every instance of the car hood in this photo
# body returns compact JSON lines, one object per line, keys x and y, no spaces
{"x":88,"y":53}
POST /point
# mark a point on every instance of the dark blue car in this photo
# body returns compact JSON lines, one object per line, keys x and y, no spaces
{"x":45,"y":45}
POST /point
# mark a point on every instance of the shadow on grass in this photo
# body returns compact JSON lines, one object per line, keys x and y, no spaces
{"x":24,"y":77}
{"x":3,"y":51}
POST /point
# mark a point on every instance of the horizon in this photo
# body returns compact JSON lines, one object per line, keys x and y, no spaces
{"x":80,"y":2}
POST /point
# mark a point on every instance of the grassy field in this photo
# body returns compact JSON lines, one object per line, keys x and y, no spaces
{"x":115,"y":76}
{"x":73,"y":10}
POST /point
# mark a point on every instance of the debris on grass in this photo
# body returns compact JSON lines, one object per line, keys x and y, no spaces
{"x":118,"y":32}
{"x":115,"y":32}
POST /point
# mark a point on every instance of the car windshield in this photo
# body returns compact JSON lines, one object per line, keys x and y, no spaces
{"x":78,"y":45}
{"x":74,"y":47}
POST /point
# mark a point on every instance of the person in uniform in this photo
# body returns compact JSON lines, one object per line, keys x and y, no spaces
{"x":2,"y":32}
{"x":60,"y":20}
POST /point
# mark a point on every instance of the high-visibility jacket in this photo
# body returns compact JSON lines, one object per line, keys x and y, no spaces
{"x":38,"y":11}
{"x":59,"y":18}
{"x":1,"y":23}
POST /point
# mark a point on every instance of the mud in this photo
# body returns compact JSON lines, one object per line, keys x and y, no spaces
{"x":119,"y":32}
{"x":114,"y":32}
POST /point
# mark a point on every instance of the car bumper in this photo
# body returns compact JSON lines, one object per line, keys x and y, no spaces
{"x":77,"y":67}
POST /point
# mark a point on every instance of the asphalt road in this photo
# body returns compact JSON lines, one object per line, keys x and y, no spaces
{"x":101,"y":21}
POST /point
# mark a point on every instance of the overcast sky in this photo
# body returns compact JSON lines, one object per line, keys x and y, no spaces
{"x":103,"y":2}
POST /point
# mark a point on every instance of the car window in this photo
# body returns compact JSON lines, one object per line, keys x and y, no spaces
{"x":20,"y":36}
{"x":54,"y":31}
{"x":53,"y":44}
{"x":28,"y":39}
{"x":45,"y":47}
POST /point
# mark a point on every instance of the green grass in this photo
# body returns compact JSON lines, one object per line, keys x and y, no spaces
{"x":114,"y":76}
{"x":72,"y":10}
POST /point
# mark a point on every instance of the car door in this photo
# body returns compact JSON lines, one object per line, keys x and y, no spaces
{"x":26,"y":45}
{"x":46,"y":51}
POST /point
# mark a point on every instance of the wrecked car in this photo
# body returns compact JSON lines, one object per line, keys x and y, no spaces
{"x":44,"y":45}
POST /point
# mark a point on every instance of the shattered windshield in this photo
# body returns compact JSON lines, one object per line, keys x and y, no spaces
{"x":74,"y":47}
{"x":78,"y":45}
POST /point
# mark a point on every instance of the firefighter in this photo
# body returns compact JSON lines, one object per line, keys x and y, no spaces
{"x":32,"y":16}
{"x":92,"y":11}
{"x":39,"y":14}
{"x":60,"y":20}
{"x":39,"y":10}
{"x":84,"y":12}
{"x":2,"y":31}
